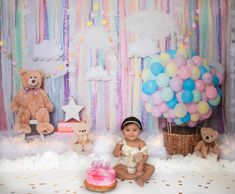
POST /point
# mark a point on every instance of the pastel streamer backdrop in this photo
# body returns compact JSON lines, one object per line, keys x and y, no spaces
{"x":25,"y":23}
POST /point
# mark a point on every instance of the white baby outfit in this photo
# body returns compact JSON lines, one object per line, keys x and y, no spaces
{"x":131,"y":156}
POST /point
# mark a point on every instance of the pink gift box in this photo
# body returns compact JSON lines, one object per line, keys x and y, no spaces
{"x":66,"y":126}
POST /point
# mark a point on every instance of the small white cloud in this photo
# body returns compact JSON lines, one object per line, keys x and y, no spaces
{"x":142,"y":47}
{"x":97,"y":74}
{"x":47,"y":50}
{"x":151,"y":23}
{"x":94,"y":37}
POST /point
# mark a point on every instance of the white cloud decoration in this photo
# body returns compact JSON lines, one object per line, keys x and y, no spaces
{"x":47,"y":50}
{"x":154,"y":24}
{"x":97,"y":73}
{"x":142,"y":47}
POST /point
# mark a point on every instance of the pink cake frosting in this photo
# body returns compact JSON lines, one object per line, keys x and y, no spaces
{"x":100,"y":174}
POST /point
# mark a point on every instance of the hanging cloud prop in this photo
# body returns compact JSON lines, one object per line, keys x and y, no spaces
{"x":142,"y":47}
{"x":47,"y":50}
{"x":97,"y":74}
{"x":154,"y":24}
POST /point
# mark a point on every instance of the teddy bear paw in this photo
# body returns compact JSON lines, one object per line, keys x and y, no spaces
{"x":45,"y":128}
{"x":87,"y":147}
{"x":78,"y":148}
{"x":22,"y":128}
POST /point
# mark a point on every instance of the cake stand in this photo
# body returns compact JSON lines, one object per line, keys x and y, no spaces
{"x":100,"y":188}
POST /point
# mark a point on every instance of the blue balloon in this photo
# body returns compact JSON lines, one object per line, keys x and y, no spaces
{"x":215,"y":80}
{"x":172,"y":103}
{"x":203,"y":71}
{"x":149,"y":87}
{"x":194,"y":53}
{"x":156,"y":68}
{"x":172,"y":53}
{"x":186,"y":118}
{"x":187,"y":96}
{"x":189,"y":84}
{"x":219,"y":91}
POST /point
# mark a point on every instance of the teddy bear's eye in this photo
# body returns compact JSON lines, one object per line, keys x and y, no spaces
{"x":35,"y":77}
{"x":31,"y":77}
{"x":80,"y":131}
{"x":211,"y":135}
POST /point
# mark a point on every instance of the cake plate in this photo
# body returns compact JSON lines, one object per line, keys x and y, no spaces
{"x":100,"y":188}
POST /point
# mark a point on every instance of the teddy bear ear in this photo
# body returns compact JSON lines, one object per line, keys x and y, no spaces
{"x":203,"y":129}
{"x":22,"y":72}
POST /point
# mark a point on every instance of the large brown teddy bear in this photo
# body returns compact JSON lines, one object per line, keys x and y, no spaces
{"x":83,"y":138}
{"x":32,"y":102}
{"x":207,"y":145}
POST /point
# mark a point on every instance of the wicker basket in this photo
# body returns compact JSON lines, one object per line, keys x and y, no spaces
{"x":181,"y":140}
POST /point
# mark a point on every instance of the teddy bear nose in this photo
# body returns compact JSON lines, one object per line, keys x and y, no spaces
{"x":207,"y":137}
{"x":33,"y":81}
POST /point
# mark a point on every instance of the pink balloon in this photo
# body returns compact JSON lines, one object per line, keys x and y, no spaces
{"x":184,"y":72}
{"x":163,"y":107}
{"x":156,"y":112}
{"x":144,"y":97}
{"x":192,"y":108}
{"x":180,"y":61}
{"x":204,"y":97}
{"x":200,"y":86}
{"x":207,"y":78}
{"x":171,"y":113}
{"x":176,"y":84}
{"x":197,"y":60}
{"x":213,"y":71}
{"x":191,"y":124}
{"x":207,"y":115}
{"x":221,"y":77}
{"x":178,"y":96}
{"x":211,"y":92}
{"x":157,"y":99}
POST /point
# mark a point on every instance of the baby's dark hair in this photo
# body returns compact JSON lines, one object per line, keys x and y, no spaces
{"x":131,"y":120}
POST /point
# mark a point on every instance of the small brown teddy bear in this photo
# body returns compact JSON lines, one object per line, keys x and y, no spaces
{"x":207,"y":144}
{"x":83,"y":138}
{"x":32,"y":102}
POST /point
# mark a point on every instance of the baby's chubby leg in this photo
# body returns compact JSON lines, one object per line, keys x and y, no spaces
{"x":122,"y":173}
{"x":148,"y":172}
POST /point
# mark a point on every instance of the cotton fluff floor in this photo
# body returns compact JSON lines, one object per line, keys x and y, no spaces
{"x":50,"y":166}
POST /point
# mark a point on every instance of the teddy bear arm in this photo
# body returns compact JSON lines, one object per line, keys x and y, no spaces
{"x":204,"y":151}
{"x":91,"y":137}
{"x":216,"y":149}
{"x":16,"y":102}
{"x":198,"y":146}
{"x":75,"y":140}
{"x":48,"y":104}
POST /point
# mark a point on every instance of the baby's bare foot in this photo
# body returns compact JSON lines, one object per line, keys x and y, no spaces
{"x":140,"y":181}
{"x":139,"y":173}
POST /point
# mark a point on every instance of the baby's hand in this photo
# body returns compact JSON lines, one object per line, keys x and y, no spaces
{"x":117,"y":154}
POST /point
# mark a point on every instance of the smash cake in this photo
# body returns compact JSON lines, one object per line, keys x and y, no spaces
{"x":100,"y":177}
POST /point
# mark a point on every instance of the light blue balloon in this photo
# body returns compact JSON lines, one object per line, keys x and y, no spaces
{"x":215,"y":101}
{"x":172,"y":53}
{"x":187,"y":96}
{"x":196,"y":96}
{"x":162,"y":80}
{"x":156,"y":68}
{"x":215,"y":80}
{"x":203,"y":71}
{"x":172,"y":103}
{"x":149,"y":87}
{"x":167,"y":94}
{"x":189,"y":84}
{"x":186,"y":118}
{"x":178,"y":122}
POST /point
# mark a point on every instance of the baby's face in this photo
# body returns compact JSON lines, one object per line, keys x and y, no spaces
{"x":131,"y":132}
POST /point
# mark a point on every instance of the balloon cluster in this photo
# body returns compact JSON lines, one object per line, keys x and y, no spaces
{"x":180,"y":89}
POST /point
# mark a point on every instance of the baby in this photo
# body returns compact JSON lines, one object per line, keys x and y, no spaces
{"x":133,"y":154}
